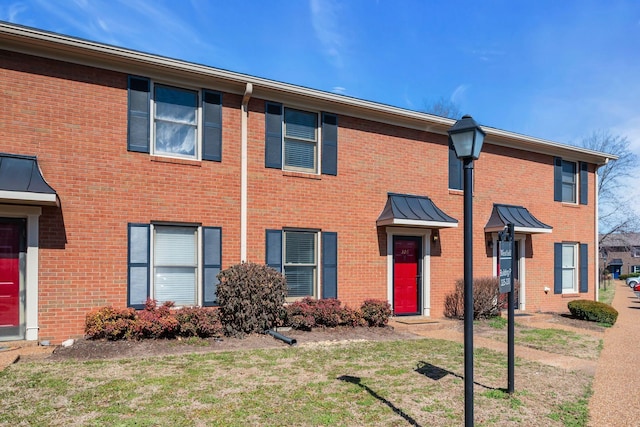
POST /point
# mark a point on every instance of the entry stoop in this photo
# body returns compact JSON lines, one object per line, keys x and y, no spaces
{"x":416,"y":324}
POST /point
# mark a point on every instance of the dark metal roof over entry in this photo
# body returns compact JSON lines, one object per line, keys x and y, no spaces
{"x":519,"y":216}
{"x":415,"y":211}
{"x":21,"y":181}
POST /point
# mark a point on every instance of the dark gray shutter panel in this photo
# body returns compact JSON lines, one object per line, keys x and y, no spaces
{"x":455,"y":170}
{"x":329,"y":144}
{"x":584,"y":183}
{"x":557,"y":179}
{"x":329,"y":264}
{"x":212,"y":263}
{"x":273,"y":135}
{"x":138,"y":256}
{"x":557,"y":268}
{"x":138,"y":124}
{"x":212,"y":126}
{"x":584,"y":267}
{"x":274,"y":249}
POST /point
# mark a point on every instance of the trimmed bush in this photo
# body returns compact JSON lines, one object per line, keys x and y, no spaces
{"x":487,"y":300}
{"x":593,"y":311}
{"x":251,"y":298}
{"x":200,"y":322}
{"x":155,"y":321}
{"x":309,"y":313}
{"x":110,"y":323}
{"x":376,"y":312}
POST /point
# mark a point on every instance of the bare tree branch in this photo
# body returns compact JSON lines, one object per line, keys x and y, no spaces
{"x":443,"y":107}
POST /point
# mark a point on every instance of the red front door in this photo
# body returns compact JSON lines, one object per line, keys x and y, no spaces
{"x":10,"y":235}
{"x":406,"y":275}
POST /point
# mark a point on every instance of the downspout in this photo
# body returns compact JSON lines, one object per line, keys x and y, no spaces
{"x":243,"y":172}
{"x":597,"y":237}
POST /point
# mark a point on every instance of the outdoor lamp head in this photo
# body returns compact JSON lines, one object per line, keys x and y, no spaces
{"x":467,"y":138}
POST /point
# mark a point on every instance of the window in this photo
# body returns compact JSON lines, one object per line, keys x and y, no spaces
{"x":571,"y":181}
{"x":174,"y":122}
{"x":635,"y":251}
{"x":635,"y":269}
{"x":455,"y":170}
{"x":300,"y":263}
{"x":571,"y":268}
{"x":302,"y":141}
{"x":295,"y":253}
{"x":164,"y":264}
{"x":569,"y":263}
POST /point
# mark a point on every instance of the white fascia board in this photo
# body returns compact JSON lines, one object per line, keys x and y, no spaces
{"x":28,"y":198}
{"x":417,"y":223}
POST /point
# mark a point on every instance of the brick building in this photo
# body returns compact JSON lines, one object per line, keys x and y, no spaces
{"x":126,"y":176}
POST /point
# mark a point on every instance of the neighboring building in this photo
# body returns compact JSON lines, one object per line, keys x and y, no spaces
{"x":129,"y":176}
{"x":620,"y":253}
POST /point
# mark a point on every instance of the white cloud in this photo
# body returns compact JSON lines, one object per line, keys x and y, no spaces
{"x":339,"y":89}
{"x":457,"y":97}
{"x":325,"y":21}
{"x":11,"y":12}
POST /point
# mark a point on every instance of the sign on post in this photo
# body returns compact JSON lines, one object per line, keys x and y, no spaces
{"x":505,"y":261}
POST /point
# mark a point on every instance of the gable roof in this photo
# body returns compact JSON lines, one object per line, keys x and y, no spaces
{"x":46,"y":44}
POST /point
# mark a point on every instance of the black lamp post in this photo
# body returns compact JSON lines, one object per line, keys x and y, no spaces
{"x":467,"y":138}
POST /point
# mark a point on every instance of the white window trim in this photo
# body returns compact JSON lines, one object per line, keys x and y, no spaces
{"x":576,"y":267}
{"x":317,"y":279}
{"x":152,"y":122}
{"x":576,"y":183}
{"x":425,"y":234}
{"x":318,"y":166}
{"x":199,"y":257}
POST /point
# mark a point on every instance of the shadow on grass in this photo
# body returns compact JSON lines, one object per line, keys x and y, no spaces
{"x":437,"y":373}
{"x":358,"y":381}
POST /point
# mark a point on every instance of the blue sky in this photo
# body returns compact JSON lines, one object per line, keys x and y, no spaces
{"x":552,"y":69}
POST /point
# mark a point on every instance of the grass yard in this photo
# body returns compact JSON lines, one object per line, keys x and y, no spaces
{"x":388,"y":383}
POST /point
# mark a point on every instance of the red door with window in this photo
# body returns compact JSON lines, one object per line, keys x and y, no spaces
{"x":10,"y":238}
{"x":406,"y":275}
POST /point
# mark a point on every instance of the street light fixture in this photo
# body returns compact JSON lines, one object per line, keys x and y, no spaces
{"x":467,"y":138}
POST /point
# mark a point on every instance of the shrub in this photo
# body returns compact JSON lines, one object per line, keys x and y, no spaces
{"x":594,"y":311}
{"x":487,"y":301}
{"x":626,"y":276}
{"x":376,"y":312}
{"x":251,"y":298}
{"x":309,"y":313}
{"x":110,"y":323}
{"x":155,"y":321}
{"x":352,"y":317}
{"x":203,"y":322}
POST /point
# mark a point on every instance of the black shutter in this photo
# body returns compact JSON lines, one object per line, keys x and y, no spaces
{"x":584,"y":183}
{"x":557,"y":268}
{"x":455,"y":170}
{"x":274,"y":249}
{"x":138,"y":124}
{"x":584,"y":268}
{"x":212,"y":263}
{"x":329,"y":144}
{"x":212,"y":126}
{"x":329,"y":264}
{"x":138,"y":237}
{"x":273,"y":135}
{"x":557,"y":179}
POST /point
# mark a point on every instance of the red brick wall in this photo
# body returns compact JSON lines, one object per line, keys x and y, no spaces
{"x":74,"y":118}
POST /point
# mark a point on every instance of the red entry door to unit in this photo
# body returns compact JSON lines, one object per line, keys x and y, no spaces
{"x":406,"y":275}
{"x":9,"y":274}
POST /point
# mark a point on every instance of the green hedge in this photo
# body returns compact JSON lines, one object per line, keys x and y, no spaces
{"x":593,"y":311}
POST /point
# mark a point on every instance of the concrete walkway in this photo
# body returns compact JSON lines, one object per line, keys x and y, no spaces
{"x":616,"y":385}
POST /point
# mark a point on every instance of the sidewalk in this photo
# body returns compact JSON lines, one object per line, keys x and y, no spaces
{"x":617,"y":381}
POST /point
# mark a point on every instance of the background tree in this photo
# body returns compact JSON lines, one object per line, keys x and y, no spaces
{"x":443,"y":107}
{"x":615,"y":211}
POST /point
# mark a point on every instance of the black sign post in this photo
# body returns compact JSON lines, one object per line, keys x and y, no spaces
{"x":505,"y":261}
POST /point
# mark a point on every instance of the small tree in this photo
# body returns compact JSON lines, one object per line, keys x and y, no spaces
{"x":251,"y":298}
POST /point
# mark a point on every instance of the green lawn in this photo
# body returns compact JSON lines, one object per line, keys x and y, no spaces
{"x":408,"y":382}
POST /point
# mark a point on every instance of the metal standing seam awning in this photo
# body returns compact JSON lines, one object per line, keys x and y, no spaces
{"x":519,"y":216}
{"x":414,"y":211}
{"x":21,"y":182}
